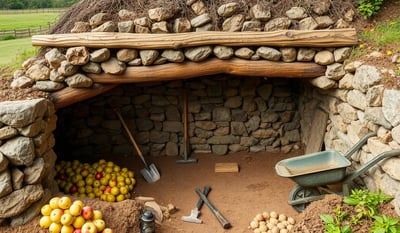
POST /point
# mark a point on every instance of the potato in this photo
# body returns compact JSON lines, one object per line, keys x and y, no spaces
{"x":263,"y":228}
{"x":265,"y":215}
{"x":275,"y":230}
{"x":274,"y":221}
{"x":282,"y":217}
{"x":270,"y":225}
{"x":291,"y":220}
{"x":259,"y":217}
{"x":257,"y":230}
{"x":273,"y":214}
{"x":262,"y":223}
{"x":253,"y":224}
{"x":281,"y":226}
{"x":283,"y":231}
{"x":289,"y":227}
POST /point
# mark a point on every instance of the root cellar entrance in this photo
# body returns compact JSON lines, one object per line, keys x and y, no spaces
{"x":254,"y":122}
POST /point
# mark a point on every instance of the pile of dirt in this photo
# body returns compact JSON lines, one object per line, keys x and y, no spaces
{"x":311,"y":221}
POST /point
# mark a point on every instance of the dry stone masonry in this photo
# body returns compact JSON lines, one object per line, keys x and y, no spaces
{"x":26,"y":158}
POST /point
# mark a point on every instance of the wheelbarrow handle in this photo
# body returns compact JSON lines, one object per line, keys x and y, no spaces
{"x":358,"y":145}
{"x":369,"y":164}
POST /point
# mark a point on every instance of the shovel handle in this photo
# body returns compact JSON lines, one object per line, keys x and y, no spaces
{"x":224,"y":222}
{"x":125,"y":126}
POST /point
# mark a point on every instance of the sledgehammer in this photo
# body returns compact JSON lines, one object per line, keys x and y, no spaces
{"x":194,"y":213}
{"x":224,"y":222}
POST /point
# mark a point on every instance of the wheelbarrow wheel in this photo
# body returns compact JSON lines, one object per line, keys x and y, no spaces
{"x":300,"y":192}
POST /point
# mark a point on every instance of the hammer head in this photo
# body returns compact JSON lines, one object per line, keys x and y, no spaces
{"x":193,"y":217}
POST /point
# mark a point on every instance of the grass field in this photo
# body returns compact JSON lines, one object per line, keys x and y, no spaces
{"x":14,"y":52}
{"x":26,"y":20}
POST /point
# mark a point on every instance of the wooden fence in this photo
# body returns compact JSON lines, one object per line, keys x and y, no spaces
{"x":23,"y":33}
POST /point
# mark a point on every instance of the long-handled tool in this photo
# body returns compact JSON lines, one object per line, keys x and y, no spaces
{"x":185,"y":133}
{"x":150,"y":173}
{"x":194,"y":213}
{"x":224,"y":222}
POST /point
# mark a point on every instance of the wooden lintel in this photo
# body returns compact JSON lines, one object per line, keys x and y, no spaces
{"x":68,"y":95}
{"x":283,"y":38}
{"x":236,"y":66}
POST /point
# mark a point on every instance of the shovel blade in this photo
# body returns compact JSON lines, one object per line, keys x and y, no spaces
{"x":151,"y":174}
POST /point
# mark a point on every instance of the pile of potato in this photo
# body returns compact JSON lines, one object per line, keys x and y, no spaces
{"x":272,"y":222}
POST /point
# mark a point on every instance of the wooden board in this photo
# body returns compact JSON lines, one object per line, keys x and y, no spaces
{"x":226,"y":167}
{"x":317,"y":132}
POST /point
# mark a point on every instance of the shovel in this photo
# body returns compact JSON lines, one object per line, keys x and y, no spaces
{"x":150,"y":173}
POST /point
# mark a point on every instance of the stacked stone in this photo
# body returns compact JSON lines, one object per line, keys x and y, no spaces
{"x":357,"y":104}
{"x":58,"y":70}
{"x":26,"y":158}
{"x":225,"y":116}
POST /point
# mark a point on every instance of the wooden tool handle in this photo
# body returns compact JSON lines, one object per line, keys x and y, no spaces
{"x":224,"y":222}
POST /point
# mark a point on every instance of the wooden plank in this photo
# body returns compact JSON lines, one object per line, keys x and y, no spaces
{"x":226,"y":167}
{"x":68,"y":95}
{"x":317,"y":132}
{"x":234,"y":66}
{"x":283,"y":38}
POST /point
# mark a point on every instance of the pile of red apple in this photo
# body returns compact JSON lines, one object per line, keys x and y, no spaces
{"x":61,"y":215}
{"x":103,"y":180}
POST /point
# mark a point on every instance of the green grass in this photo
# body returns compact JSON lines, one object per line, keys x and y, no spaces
{"x":26,"y":20}
{"x":14,"y":52}
{"x":384,"y":33}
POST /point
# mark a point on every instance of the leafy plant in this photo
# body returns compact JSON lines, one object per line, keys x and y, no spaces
{"x":365,"y":202}
{"x":368,"y":8}
{"x":334,"y":224}
{"x":384,"y":224}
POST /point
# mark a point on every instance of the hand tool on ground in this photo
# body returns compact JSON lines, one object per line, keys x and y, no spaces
{"x":186,"y":148}
{"x":150,"y":172}
{"x":194,"y":213}
{"x":224,"y":222}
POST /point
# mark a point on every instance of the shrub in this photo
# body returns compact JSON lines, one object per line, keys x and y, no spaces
{"x":368,"y":8}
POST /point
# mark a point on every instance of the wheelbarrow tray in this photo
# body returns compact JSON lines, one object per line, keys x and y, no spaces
{"x":316,"y":169}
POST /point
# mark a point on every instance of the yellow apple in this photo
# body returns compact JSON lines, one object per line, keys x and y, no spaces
{"x":78,"y":222}
{"x":78,"y":202}
{"x":45,"y":221}
{"x":120,"y":197}
{"x":100,"y":224}
{"x":46,"y":210}
{"x":115,"y":191}
{"x":67,"y":229}
{"x":66,"y":219}
{"x":87,"y":212}
{"x":56,"y":214}
{"x":75,"y":209}
{"x":54,"y":202}
{"x":97,"y":214}
{"x":108,"y":230}
{"x":55,"y":227}
{"x":64,"y":202}
{"x":89,"y":227}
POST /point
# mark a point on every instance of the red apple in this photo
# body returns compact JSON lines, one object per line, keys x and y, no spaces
{"x":73,"y":189}
{"x":62,"y":176}
{"x":87,"y":212}
{"x":77,"y":230}
{"x":98,"y":176}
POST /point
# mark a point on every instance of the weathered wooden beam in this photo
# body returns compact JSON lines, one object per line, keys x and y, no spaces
{"x":68,"y":95}
{"x":284,"y":38}
{"x":186,"y":70}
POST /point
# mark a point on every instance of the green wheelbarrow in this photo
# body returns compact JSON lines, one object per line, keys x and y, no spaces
{"x":313,"y":172}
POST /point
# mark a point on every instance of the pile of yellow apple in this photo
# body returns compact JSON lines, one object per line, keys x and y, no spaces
{"x":61,"y":215}
{"x":103,"y":180}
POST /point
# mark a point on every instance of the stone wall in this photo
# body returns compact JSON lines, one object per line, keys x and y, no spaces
{"x":226,"y":114}
{"x":359,"y":103}
{"x":26,"y":158}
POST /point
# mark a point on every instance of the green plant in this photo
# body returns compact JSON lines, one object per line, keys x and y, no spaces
{"x":365,"y":202}
{"x":334,"y":224}
{"x":368,"y":8}
{"x":8,"y":37}
{"x":384,"y":224}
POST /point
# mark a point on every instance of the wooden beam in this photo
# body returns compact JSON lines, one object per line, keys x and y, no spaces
{"x":284,"y":38}
{"x":68,"y":95}
{"x":235,"y":66}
